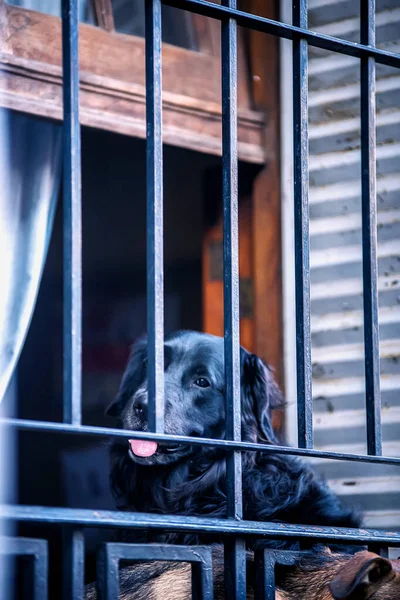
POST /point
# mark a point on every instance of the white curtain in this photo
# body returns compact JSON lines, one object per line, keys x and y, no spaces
{"x":30,"y":169}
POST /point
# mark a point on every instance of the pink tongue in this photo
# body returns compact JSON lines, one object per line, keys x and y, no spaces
{"x":143,"y":448}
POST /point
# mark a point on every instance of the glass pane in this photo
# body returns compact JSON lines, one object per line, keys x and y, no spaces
{"x":177,"y":24}
{"x":52,"y":7}
{"x":128,"y":18}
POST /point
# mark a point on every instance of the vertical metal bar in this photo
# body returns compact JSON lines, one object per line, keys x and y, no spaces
{"x":107,"y":580}
{"x":231,"y":257}
{"x":155,"y":261}
{"x":235,"y":569}
{"x":301,"y":229}
{"x":40,"y":576}
{"x":202,"y":580}
{"x":379,"y":549}
{"x":369,"y":233}
{"x":235,"y":558}
{"x":265,"y":575}
{"x":73,"y":564}
{"x":72,"y":216}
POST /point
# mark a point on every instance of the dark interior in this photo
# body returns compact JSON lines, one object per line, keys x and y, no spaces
{"x":73,"y":471}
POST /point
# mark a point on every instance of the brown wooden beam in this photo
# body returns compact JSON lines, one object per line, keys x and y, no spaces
{"x":267,"y":257}
{"x":264,"y":65}
{"x":5,"y":45}
{"x":105,"y":103}
{"x":104,"y":14}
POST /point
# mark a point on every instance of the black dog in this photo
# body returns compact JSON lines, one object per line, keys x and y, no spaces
{"x":190,"y":480}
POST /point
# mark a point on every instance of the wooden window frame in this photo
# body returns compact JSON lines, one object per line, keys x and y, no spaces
{"x":112,"y":73}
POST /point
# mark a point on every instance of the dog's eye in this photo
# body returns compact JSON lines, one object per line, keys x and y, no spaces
{"x":139,"y":409}
{"x":202,"y":382}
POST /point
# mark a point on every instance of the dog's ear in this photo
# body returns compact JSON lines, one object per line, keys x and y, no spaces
{"x":361,"y":577}
{"x":260,"y":395}
{"x":132,"y":378}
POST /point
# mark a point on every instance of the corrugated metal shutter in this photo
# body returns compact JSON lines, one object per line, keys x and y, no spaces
{"x":337,"y":333}
{"x":335,"y":246}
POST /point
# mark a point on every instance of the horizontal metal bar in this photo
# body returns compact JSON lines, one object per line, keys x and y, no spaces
{"x":131,"y":520}
{"x":286,"y":31}
{"x":21,"y":546}
{"x":25,"y":424}
{"x":163,"y":552}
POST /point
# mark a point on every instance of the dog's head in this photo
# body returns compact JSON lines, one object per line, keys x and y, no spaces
{"x":194,"y":395}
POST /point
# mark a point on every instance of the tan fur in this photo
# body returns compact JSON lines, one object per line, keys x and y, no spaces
{"x":315,"y":585}
{"x":169,"y":585}
{"x":300,"y":583}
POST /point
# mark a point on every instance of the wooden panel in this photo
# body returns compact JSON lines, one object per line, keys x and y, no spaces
{"x":260,"y":224}
{"x":112,"y":84}
{"x":246,"y":271}
{"x":213,"y":289}
{"x":208,"y":33}
{"x":266,"y":196}
{"x":213,"y":309}
{"x":260,"y":241}
{"x":37,"y":36}
{"x":267,"y":265}
{"x":104,"y":14}
{"x":5,"y":45}
{"x":36,"y":88}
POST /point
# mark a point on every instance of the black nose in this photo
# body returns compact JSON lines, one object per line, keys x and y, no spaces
{"x":196,"y":432}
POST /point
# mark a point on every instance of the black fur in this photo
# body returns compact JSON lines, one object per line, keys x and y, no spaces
{"x":191,"y":480}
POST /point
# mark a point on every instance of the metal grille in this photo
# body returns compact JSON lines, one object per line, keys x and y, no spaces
{"x":234,"y":525}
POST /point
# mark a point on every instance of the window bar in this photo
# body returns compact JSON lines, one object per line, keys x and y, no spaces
{"x":155,"y":266}
{"x":380,"y":549}
{"x":107,"y":432}
{"x":110,"y":555}
{"x":34,"y":582}
{"x":83,"y":517}
{"x":72,"y":217}
{"x":73,"y":564}
{"x":301,"y":229}
{"x":235,"y":557}
{"x":265,"y":561}
{"x":369,"y":232}
{"x":285,"y":31}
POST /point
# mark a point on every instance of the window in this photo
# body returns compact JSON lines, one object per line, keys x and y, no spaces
{"x":111,"y":84}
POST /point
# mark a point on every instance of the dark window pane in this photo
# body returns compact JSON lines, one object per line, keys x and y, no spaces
{"x":177,"y":25}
